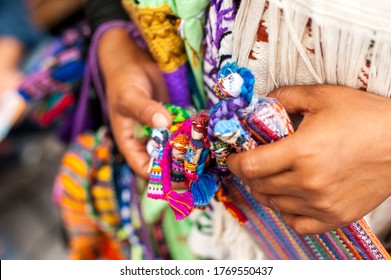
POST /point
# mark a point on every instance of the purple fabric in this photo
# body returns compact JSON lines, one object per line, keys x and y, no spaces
{"x":178,"y":87}
{"x":215,"y":32}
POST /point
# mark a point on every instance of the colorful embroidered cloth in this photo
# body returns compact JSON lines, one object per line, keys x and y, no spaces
{"x":173,"y":30}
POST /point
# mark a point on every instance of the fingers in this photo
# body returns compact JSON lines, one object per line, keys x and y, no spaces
{"x":281,"y":184}
{"x":142,"y":108}
{"x":296,"y":99}
{"x":133,"y":150}
{"x":263,"y":161}
{"x":283,"y":204}
{"x":305,"y":225}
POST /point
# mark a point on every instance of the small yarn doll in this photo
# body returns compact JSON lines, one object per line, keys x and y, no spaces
{"x":197,"y":145}
{"x":179,"y":148}
{"x":232,"y":133}
{"x":235,"y":90}
{"x":220,"y":151}
{"x":202,"y":185}
{"x":241,"y":120}
{"x":155,"y":145}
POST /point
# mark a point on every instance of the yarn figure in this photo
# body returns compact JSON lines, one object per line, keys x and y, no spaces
{"x":235,"y":89}
{"x":179,"y":146}
{"x":160,"y":137}
{"x":231,"y":132}
{"x":180,"y":202}
{"x":220,"y":152}
{"x":268,"y":121}
{"x":202,"y":185}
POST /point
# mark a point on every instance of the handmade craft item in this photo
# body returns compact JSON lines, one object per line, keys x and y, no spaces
{"x":155,"y":147}
{"x":49,"y":88}
{"x":173,"y":30}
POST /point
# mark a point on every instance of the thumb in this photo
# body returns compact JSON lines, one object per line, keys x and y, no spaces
{"x":295,"y":99}
{"x":148,"y":111}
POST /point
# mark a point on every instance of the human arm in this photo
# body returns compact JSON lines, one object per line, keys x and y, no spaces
{"x":133,"y":82}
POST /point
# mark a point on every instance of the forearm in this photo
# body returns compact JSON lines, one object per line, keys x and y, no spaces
{"x":116,"y":50}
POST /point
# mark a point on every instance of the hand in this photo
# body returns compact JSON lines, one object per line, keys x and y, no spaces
{"x":11,"y":54}
{"x":336,"y":167}
{"x":133,"y":83}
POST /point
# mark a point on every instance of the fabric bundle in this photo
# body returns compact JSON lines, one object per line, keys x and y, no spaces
{"x":54,"y":76}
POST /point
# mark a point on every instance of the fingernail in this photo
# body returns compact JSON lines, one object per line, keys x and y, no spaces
{"x":160,"y":120}
{"x":248,"y":189}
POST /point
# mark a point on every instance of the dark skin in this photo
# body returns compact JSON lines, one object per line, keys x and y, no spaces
{"x":134,"y":86}
{"x":334,"y":170}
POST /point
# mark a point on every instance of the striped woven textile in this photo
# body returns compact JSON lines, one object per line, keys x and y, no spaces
{"x":355,"y":241}
{"x":87,"y":200}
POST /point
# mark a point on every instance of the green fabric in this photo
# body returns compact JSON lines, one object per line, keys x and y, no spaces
{"x":175,"y":232}
{"x":192,"y":14}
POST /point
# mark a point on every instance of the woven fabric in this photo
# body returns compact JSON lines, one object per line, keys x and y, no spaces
{"x":278,"y":241}
{"x":173,"y":31}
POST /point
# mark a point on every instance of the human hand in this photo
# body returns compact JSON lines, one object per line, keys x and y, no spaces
{"x":334,"y":170}
{"x":133,"y":83}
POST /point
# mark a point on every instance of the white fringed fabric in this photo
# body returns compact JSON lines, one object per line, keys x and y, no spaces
{"x":316,"y":41}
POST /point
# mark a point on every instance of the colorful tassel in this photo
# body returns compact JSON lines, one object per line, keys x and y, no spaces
{"x":202,"y":186}
{"x":181,"y":203}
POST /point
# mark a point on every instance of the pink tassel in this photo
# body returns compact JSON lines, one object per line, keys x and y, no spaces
{"x":181,"y":203}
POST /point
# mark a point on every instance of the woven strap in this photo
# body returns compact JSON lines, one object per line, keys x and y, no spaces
{"x":279,"y":241}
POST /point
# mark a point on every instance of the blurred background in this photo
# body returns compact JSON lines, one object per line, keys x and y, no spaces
{"x":30,"y":146}
{"x":29,"y":220}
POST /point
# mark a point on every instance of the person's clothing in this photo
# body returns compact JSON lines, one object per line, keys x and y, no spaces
{"x":301,"y":43}
{"x":289,"y":43}
{"x":16,"y":22}
{"x":101,"y":11}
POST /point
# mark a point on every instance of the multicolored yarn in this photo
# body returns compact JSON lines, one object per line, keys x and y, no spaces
{"x":181,"y":203}
{"x":269,"y":122}
{"x":81,"y":207}
{"x":50,"y":88}
{"x":179,"y":145}
{"x":220,"y":152}
{"x":133,"y":228}
{"x":231,"y":132}
{"x":100,"y":203}
{"x":202,"y":185}
{"x":178,"y":114}
{"x":279,"y":241}
{"x":160,"y":137}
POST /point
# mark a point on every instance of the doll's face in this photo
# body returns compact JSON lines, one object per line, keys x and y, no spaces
{"x":230,"y":137}
{"x":196,"y":135}
{"x":178,"y":154}
{"x":233,"y":84}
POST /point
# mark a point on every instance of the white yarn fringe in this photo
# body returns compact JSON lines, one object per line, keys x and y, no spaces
{"x":227,"y":232}
{"x":223,"y":238}
{"x":344,"y":34}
